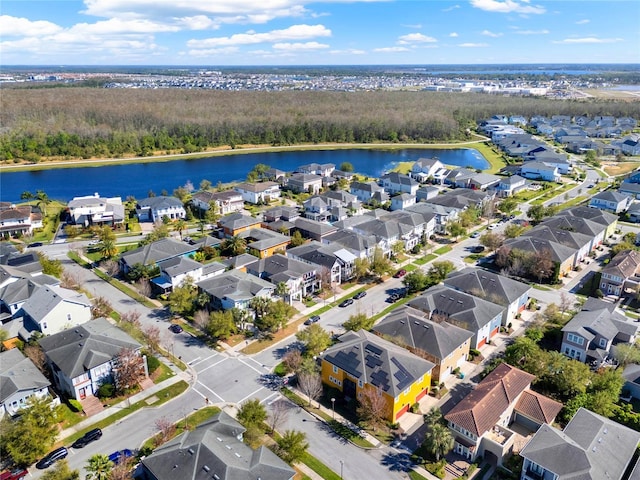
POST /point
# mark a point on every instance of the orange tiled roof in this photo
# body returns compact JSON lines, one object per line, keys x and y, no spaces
{"x":538,"y":407}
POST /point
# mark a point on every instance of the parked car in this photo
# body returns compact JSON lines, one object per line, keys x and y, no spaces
{"x":475,"y":235}
{"x":360,"y":295}
{"x":120,"y":455}
{"x":311,"y":320}
{"x":346,"y":303}
{"x":400,"y":273}
{"x":52,"y":457}
{"x":477,"y":249}
{"x":591,"y":185}
{"x":175,"y":328}
{"x":16,"y":474}
{"x":394,"y":297}
{"x":492,"y":226}
{"x":35,"y":244}
{"x":87,"y":438}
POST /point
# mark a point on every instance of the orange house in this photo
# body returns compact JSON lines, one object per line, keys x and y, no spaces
{"x":237,"y":223}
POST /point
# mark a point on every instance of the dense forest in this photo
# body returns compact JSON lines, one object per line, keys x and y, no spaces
{"x":95,"y":122}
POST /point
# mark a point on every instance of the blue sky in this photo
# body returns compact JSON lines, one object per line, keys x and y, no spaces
{"x":307,"y":32}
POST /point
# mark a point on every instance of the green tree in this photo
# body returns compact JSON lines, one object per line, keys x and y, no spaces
{"x":205,"y":185}
{"x":315,"y":339}
{"x":416,"y":281}
{"x":49,"y":266}
{"x":282,"y":290}
{"x":98,"y":467}
{"x":359,"y":321}
{"x":252,"y":414}
{"x":32,"y":434}
{"x":492,"y":241}
{"x":456,"y":230}
{"x":221,"y":324}
{"x":526,"y":353}
{"x":27,"y":195}
{"x":43,"y":201}
{"x":439,"y":270}
{"x":61,"y":471}
{"x":346,"y":167}
{"x":233,"y":246}
{"x":179,"y":226}
{"x":626,"y":353}
{"x":182,"y":299}
{"x":513,"y":230}
{"x":537,"y":213}
{"x":433,"y":417}
{"x":292,"y":446}
{"x":296,"y":239}
{"x":108,"y":249}
{"x":276,"y":316}
{"x":212,"y":214}
{"x":360,"y":268}
{"x":397,"y":248}
{"x":380,"y":265}
{"x":438,"y":440}
{"x":508,"y":205}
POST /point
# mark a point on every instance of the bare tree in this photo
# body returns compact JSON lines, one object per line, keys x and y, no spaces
{"x":131,"y":317}
{"x":144,"y":286}
{"x":278,"y":414}
{"x":311,"y":385}
{"x":166,"y":430}
{"x":123,"y":470}
{"x":129,"y":369}
{"x":201,"y":319}
{"x":111,"y":267}
{"x":292,"y":360}
{"x":152,"y":336}
{"x":565,"y":303}
{"x":69,"y":280}
{"x":37,"y":356}
{"x":373,"y":407}
{"x":101,"y":308}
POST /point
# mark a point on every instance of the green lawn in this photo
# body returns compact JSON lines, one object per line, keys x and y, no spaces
{"x":426,"y":259}
{"x":320,"y":468}
{"x":443,"y":250}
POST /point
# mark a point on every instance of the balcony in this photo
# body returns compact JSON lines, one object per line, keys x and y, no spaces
{"x":499,"y":435}
{"x":531,"y":475}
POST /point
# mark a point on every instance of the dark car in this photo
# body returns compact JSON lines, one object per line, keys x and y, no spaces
{"x":394,"y":297}
{"x":359,"y":295}
{"x":311,"y":320}
{"x":87,"y":438}
{"x":175,"y":328}
{"x":52,"y":457}
{"x":477,"y":249}
{"x":15,"y":474}
{"x":35,"y":244}
{"x":400,"y":273}
{"x":120,"y":455}
{"x":346,"y":303}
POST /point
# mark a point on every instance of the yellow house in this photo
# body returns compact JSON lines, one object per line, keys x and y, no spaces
{"x":237,"y":223}
{"x":263,"y":243}
{"x":429,"y":337}
{"x":363,"y":363}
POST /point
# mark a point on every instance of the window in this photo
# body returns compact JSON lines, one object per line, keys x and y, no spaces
{"x":44,"y":325}
{"x":575,"y":339}
{"x":360,"y":384}
{"x":69,"y":317}
{"x":603,"y":342}
{"x":535,"y":468}
{"x":335,"y":369}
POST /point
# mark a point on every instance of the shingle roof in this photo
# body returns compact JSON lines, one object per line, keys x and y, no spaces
{"x":179,"y":266}
{"x":235,"y":221}
{"x":624,"y":264}
{"x":155,"y":252}
{"x":479,"y":411}
{"x":559,"y":253}
{"x":279,"y":268}
{"x":18,"y":373}
{"x":234,"y":284}
{"x":487,"y":285}
{"x":157,"y":203}
{"x":47,"y":297}
{"x":86,"y":346}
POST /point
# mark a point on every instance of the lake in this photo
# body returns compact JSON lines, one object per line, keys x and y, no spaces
{"x":138,"y":179}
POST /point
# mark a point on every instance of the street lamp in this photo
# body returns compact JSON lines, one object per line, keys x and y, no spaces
{"x":333,"y":407}
{"x":341,"y":465}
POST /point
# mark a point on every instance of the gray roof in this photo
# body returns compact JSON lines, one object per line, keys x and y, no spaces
{"x":235,"y":221}
{"x":575,"y":224}
{"x":559,"y":253}
{"x":234,"y":284}
{"x":591,"y":447}
{"x":598,"y":317}
{"x":161,"y":202}
{"x":611,"y":196}
{"x":462,"y":309}
{"x":631,"y":373}
{"x":593,"y":214}
{"x":178,"y":266}
{"x":488,"y":285}
{"x":377,"y":362}
{"x":86,"y":346}
{"x":316,"y":253}
{"x":210,"y":268}
{"x":365,"y":187}
{"x":263,"y":238}
{"x":352,"y":241}
{"x":46,"y":298}
{"x":158,"y":251}
{"x":400,"y":179}
{"x":279,"y":268}
{"x":239,"y":261}
{"x":413,"y":328}
{"x":215,"y":450}
{"x":567,"y":238}
{"x":18,"y":374}
{"x":314,"y":227}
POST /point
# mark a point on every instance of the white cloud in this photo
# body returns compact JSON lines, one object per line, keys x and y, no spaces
{"x":299,"y":46}
{"x":212,"y":52}
{"x":488,"y":33}
{"x":348,"y":51}
{"x":417,"y":26}
{"x":294,"y":32}
{"x":583,"y":22}
{"x":473,"y":45}
{"x":391,"y":49}
{"x":532,"y":32}
{"x":452,"y":7}
{"x":453,"y":35}
{"x":507,"y":6}
{"x":23,"y":27}
{"x":415,"y":38}
{"x":589,"y":40}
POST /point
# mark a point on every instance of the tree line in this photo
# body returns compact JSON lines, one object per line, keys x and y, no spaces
{"x":101,"y":123}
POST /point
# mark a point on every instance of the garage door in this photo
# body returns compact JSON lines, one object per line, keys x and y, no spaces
{"x":404,"y":410}
{"x":482,"y":342}
{"x":526,"y":422}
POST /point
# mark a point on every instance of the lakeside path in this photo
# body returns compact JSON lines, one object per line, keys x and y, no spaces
{"x":243,"y":150}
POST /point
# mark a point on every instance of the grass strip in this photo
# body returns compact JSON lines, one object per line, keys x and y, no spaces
{"x":320,"y":468}
{"x":183,"y":424}
{"x":426,"y":259}
{"x":443,"y":250}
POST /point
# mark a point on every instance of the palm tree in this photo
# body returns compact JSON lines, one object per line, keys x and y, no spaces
{"x":282,"y":290}
{"x":99,"y":467}
{"x":26,"y":195}
{"x":438,"y":440}
{"x":234,"y":245}
{"x":434,"y":416}
{"x":43,"y":201}
{"x":108,"y":248}
{"x":180,"y":226}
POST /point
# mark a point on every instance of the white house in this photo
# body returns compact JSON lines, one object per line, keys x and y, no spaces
{"x":402,"y":201}
{"x":510,"y":185}
{"x":540,"y":171}
{"x":20,"y":380}
{"x":235,"y":289}
{"x":429,"y":168}
{"x":610,"y":201}
{"x":52,"y":309}
{"x":96,"y":210}
{"x":18,"y":220}
{"x":154,"y":209}
{"x":255,"y":193}
{"x":367,"y":191}
{"x":395,"y":182}
{"x":226,"y":202}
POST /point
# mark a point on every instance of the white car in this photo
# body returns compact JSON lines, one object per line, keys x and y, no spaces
{"x":492,"y":226}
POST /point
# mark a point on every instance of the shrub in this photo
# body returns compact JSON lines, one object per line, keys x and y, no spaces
{"x":75,"y":405}
{"x":106,"y":390}
{"x":436,"y":468}
{"x":415,"y":408}
{"x":474,"y":353}
{"x":598,"y":293}
{"x":152,"y":363}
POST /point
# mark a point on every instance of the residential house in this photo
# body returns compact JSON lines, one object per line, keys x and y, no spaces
{"x":462,"y":198}
{"x":365,"y":364}
{"x":316,"y":208}
{"x":337,"y":262}
{"x":427,"y":193}
{"x":478,"y":316}
{"x":591,"y":447}
{"x":174,"y":272}
{"x":263,"y":243}
{"x":369,"y":192}
{"x":427,"y":336}
{"x":321,"y":169}
{"x":590,"y":334}
{"x":631,"y":375}
{"x":482,"y":181}
{"x":459,"y":177}
{"x":580,"y":243}
{"x":20,"y":380}
{"x":312,"y":229}
{"x":276,"y":175}
{"x":634,"y":213}
{"x":508,"y":186}
{"x":256,"y":193}
{"x":610,"y":201}
{"x":305,"y":183}
{"x":480,"y":421}
{"x":402,"y":201}
{"x":226,"y":202}
{"x":630,"y":189}
{"x":155,"y":209}
{"x":214,"y":450}
{"x":52,"y":309}
{"x":301,"y":279}
{"x":83,"y":358}
{"x":361,"y":246}
{"x":152,"y":254}
{"x":442,"y":215}
{"x":239,"y":262}
{"x":96,"y":210}
{"x":495,"y":288}
{"x":621,"y":272}
{"x":282,"y":212}
{"x":18,"y":220}
{"x":563,"y":257}
{"x":16,"y":287}
{"x":426,"y":169}
{"x":607,"y":220}
{"x":394,"y":182}
{"x":631,"y":145}
{"x":235,"y":289}
{"x":540,"y":171}
{"x":236,"y":223}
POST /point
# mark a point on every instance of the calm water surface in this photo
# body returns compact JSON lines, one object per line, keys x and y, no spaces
{"x":138,"y":179}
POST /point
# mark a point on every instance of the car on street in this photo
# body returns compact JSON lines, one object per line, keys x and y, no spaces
{"x":15,"y":474}
{"x":87,"y":438}
{"x":492,"y":226}
{"x":120,"y":455}
{"x":346,"y":303}
{"x":591,"y":185}
{"x":311,"y":320}
{"x":400,"y":273}
{"x":475,"y":235}
{"x":359,"y":295}
{"x":477,"y":249}
{"x":394,"y":297}
{"x":52,"y":457}
{"x":35,"y":244}
{"x":175,"y":328}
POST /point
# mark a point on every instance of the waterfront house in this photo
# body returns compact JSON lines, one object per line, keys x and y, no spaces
{"x":226,"y":202}
{"x":18,"y":220}
{"x":156,"y":209}
{"x":305,"y":183}
{"x":20,"y":380}
{"x":425,"y":169}
{"x":96,"y":210}
{"x":365,"y":364}
{"x":255,"y":193}
{"x":367,"y":192}
{"x":321,"y":169}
